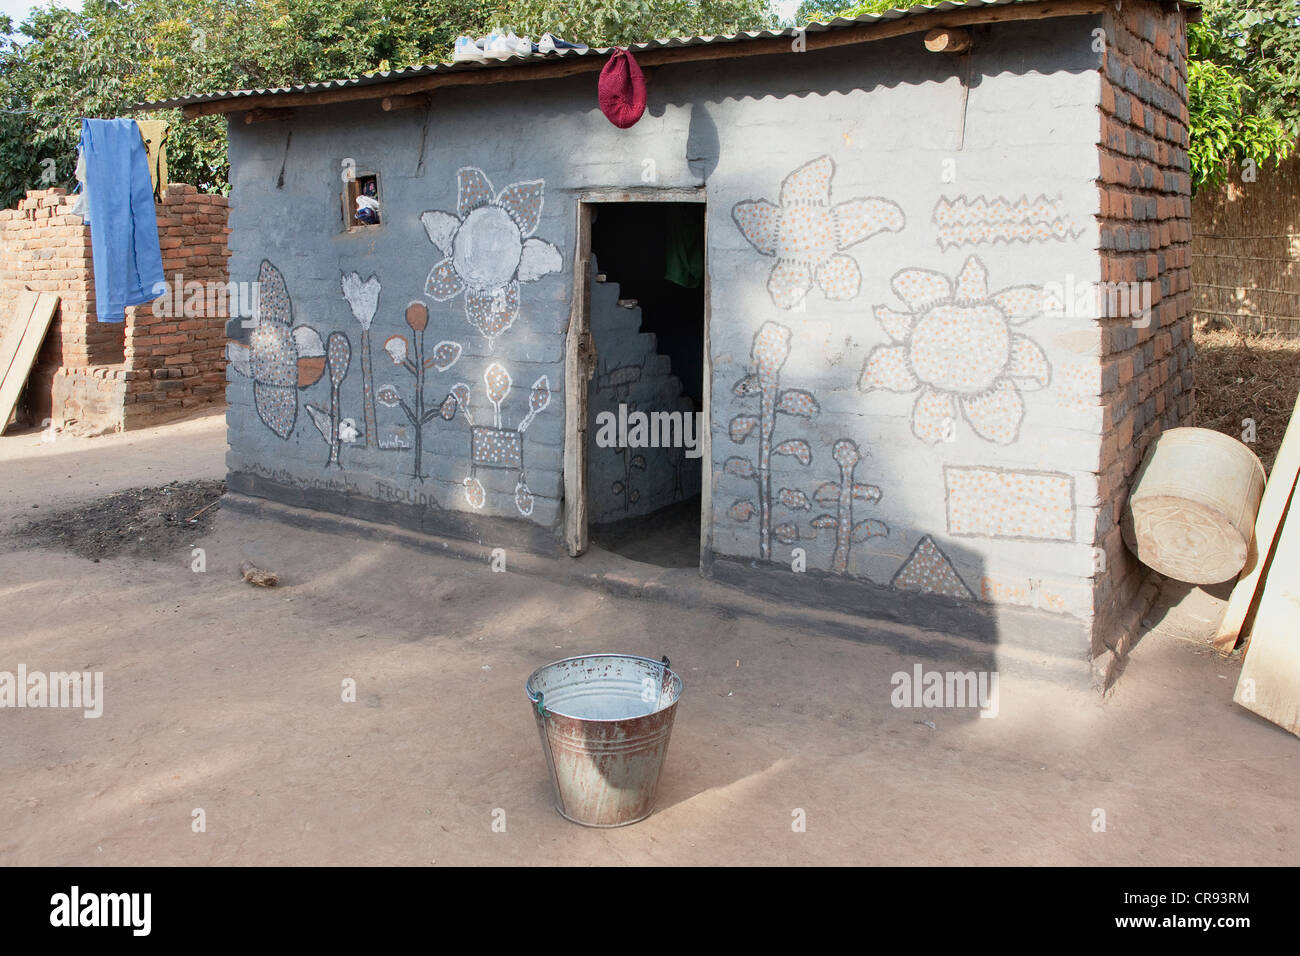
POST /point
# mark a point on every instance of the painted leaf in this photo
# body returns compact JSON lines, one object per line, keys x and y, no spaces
{"x":771,"y":349}
{"x":396,"y":347}
{"x":827,"y":493}
{"x":460,"y":392}
{"x":447,"y":410}
{"x":638,"y":462}
{"x":523,"y":203}
{"x":749,"y":385}
{"x":321,"y":419}
{"x":273,"y":304}
{"x":824,"y":521}
{"x":742,"y":510}
{"x":339,"y":352}
{"x":871,"y":528}
{"x":759,"y":221}
{"x":523,"y":498}
{"x":498,"y":383}
{"x":865,"y":492}
{"x":540,"y":397}
{"x":634,"y":496}
{"x":846,"y":453}
{"x":475,"y":190}
{"x":617,"y":487}
{"x":445,"y":355}
{"x":538,"y":258}
{"x":238,"y":356}
{"x":741,"y":427}
{"x":474,"y":493}
{"x":796,"y":401}
{"x":441,"y":228}
{"x":786,"y":533}
{"x":796,"y":448}
{"x":741,"y":467}
{"x":794,"y":498}
{"x":388,"y":396}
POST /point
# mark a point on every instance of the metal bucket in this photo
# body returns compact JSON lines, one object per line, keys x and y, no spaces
{"x":605,"y":720}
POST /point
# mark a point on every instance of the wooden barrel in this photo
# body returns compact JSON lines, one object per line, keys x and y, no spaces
{"x":1191,"y":512}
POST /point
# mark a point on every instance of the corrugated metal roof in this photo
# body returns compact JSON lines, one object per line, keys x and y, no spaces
{"x":391,"y":76}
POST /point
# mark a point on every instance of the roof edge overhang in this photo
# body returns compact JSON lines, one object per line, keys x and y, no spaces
{"x":404,"y":88}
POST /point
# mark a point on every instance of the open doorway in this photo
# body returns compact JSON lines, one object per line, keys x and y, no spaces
{"x":646,"y":317}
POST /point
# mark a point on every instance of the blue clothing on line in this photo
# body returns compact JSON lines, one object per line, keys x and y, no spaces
{"x":121,"y":216}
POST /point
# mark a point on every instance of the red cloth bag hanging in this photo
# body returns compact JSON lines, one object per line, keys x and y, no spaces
{"x":621,"y":90}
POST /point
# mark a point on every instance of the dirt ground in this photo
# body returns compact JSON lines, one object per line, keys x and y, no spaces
{"x":1244,"y":376}
{"x":227,"y":699}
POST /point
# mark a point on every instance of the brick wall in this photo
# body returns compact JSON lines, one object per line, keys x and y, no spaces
{"x":1146,"y":237}
{"x":108,"y":376}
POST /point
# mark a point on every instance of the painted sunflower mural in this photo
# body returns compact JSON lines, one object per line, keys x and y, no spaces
{"x":808,"y":235}
{"x":489,"y":249}
{"x":956,"y":343}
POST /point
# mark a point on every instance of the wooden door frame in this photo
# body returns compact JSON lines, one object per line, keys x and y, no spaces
{"x":580,"y":364}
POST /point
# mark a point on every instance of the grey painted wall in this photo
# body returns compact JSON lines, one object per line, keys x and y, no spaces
{"x":974,"y":486}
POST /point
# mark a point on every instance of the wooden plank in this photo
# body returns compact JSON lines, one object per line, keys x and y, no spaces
{"x":706,"y":440}
{"x":268,"y":115}
{"x":1270,"y":675}
{"x":15,"y":329}
{"x":1272,"y":507}
{"x":33,"y":321}
{"x":526,"y":70}
{"x":947,"y":41}
{"x":579,"y":362}
{"x":412,"y":102}
{"x":644,"y":194}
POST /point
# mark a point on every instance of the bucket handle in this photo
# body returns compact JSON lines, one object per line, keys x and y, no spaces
{"x":541,"y":707}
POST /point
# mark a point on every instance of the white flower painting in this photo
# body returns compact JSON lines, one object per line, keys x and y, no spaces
{"x":489,"y":249}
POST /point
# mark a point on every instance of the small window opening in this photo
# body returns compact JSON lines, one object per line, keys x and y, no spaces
{"x":361,"y":204}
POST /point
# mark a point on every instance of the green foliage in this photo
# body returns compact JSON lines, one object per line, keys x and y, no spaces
{"x":1224,"y":132}
{"x":1258,"y":42}
{"x":880,"y":6}
{"x":1243,"y":86}
{"x":621,"y":22}
{"x":103,"y":59}
{"x":818,"y":11}
{"x":108,"y":56}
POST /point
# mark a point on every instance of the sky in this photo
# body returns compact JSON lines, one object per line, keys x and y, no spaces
{"x":16,"y":10}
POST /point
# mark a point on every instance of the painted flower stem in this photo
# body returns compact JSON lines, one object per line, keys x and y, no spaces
{"x":418,"y":418}
{"x":368,"y":391}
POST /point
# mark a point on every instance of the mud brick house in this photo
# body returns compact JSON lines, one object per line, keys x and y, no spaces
{"x":160,"y":363}
{"x":943,"y":309}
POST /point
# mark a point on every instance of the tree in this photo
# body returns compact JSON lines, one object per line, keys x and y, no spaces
{"x":818,"y":11}
{"x":109,"y":56}
{"x":1243,"y":86}
{"x":621,"y":22}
